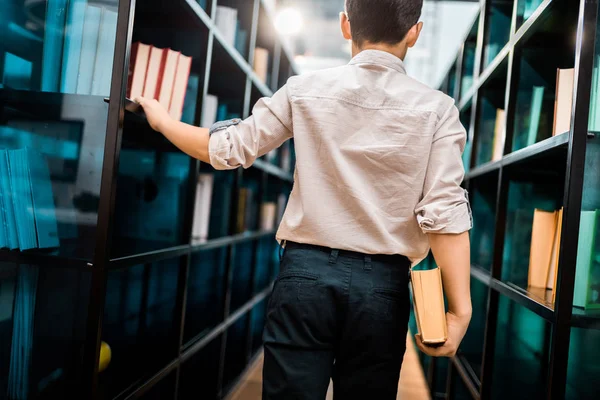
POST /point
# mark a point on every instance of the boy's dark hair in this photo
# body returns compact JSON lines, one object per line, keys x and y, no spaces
{"x":382,"y":21}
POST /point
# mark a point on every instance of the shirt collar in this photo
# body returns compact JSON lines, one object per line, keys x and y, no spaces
{"x":379,"y":57}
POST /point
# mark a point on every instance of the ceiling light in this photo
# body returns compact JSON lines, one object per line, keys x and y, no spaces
{"x":289,"y":21}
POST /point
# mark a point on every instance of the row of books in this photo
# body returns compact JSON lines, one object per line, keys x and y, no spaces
{"x":594,"y":123}
{"x":250,"y":215}
{"x":27,"y":209}
{"x":79,"y":42}
{"x":545,"y":251}
{"x":160,"y":74}
{"x":227,"y":22}
{"x":562,"y":113}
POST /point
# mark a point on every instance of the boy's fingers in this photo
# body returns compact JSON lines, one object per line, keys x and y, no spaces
{"x":139,"y":100}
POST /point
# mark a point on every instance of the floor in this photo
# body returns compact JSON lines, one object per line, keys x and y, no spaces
{"x":412,"y":380}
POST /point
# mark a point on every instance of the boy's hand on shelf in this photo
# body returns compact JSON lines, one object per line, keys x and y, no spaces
{"x":457,"y":328}
{"x":157,"y":116}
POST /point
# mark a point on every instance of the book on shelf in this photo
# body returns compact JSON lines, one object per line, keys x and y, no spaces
{"x":586,"y":293}
{"x":542,"y":242}
{"x":53,"y":44}
{"x":428,"y":303}
{"x":261,"y":63}
{"x":268,"y":215}
{"x":202,"y":205}
{"x":282,"y":200}
{"x":209,"y":111}
{"x":102,"y":76}
{"x":563,"y":101}
{"x":537,"y":101}
{"x":226,"y":20}
{"x":241,"y":41}
{"x":594,"y":121}
{"x":72,"y":45}
{"x":244,"y":210}
{"x":28,"y":214}
{"x":191,"y":99}
{"x":89,"y":43}
{"x":499,"y":135}
{"x":164,"y":75}
{"x":553,"y":272}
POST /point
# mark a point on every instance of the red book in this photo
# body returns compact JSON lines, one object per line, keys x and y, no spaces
{"x":166,"y":78}
{"x":180,"y":86}
{"x":138,"y":66}
{"x":153,"y":72}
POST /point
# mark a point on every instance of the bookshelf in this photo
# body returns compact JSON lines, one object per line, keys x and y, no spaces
{"x":183,"y":316}
{"x":522,"y":343}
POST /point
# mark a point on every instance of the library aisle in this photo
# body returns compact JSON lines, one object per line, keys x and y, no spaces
{"x":413,"y":385}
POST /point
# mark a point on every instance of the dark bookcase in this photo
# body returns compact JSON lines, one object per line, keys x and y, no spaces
{"x":523,"y":343}
{"x":183,"y":317}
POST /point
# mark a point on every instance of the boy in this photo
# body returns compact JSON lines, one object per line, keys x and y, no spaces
{"x":376,"y":185}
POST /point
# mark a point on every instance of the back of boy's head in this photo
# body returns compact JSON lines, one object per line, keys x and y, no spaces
{"x":382,"y":21}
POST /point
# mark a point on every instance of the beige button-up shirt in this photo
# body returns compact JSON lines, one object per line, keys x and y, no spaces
{"x":378,"y":157}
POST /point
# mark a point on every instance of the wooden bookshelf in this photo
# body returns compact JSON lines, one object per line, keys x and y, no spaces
{"x":555,"y":171}
{"x":172,"y":334}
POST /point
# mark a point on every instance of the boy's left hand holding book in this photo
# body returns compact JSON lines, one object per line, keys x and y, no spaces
{"x":192,"y":140}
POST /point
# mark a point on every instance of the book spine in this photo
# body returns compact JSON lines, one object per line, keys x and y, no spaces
{"x":106,"y":50}
{"x":89,"y":46}
{"x":132,"y":63}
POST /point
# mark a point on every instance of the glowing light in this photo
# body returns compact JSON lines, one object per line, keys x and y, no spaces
{"x":289,"y":22}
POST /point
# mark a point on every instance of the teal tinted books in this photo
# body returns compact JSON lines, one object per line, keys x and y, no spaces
{"x":89,"y":45}
{"x":102,"y":76}
{"x":537,"y":100}
{"x":43,"y":200}
{"x":22,"y":200}
{"x":587,"y":294}
{"x":9,"y":211}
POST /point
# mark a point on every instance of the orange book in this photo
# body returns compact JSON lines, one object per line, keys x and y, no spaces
{"x":542,"y":244}
{"x":499,"y":135}
{"x":553,"y":273}
{"x":428,"y":302}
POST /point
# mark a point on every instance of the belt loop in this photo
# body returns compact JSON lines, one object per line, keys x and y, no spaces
{"x":368,"y":265}
{"x":334,"y":256}
{"x":281,"y":250}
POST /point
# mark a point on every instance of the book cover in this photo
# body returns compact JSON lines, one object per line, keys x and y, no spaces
{"x":243,"y":195}
{"x":89,"y":46}
{"x":9,"y":210}
{"x":52,"y":55}
{"x":44,"y":209}
{"x":152,"y":75}
{"x":583,"y":295}
{"x":72,"y":47}
{"x":138,"y":65}
{"x":166,"y":78}
{"x":563,"y":101}
{"x":3,"y":198}
{"x":428,"y":303}
{"x":537,"y":101}
{"x":499,"y":135}
{"x":102,"y":76}
{"x":180,"y":86}
{"x":542,"y":241}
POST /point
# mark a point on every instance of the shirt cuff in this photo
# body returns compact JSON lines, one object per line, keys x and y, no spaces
{"x":457,"y":220}
{"x":220,"y":145}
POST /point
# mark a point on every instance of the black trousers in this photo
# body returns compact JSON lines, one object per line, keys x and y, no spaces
{"x":340,"y":315}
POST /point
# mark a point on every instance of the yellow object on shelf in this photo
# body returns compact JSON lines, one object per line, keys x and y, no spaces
{"x":105,"y":356}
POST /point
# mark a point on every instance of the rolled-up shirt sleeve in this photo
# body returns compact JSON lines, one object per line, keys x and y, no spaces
{"x":238,"y":143}
{"x":444,"y":207}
